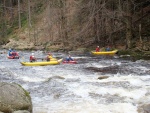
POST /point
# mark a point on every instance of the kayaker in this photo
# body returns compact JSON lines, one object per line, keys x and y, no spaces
{"x":97,"y":49}
{"x":10,"y":52}
{"x":32,"y":58}
{"x":49,"y":57}
{"x":15,"y":55}
{"x":69,"y":58}
{"x":107,"y":48}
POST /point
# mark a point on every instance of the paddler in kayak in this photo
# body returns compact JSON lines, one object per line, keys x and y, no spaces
{"x":69,"y":58}
{"x":108,"y":48}
{"x":97,"y":49}
{"x":32,"y":58}
{"x":49,"y":57}
{"x":10,"y":52}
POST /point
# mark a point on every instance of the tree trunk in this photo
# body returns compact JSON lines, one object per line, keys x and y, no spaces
{"x":4,"y":34}
{"x":140,"y":28}
{"x":29,"y":14}
{"x":129,"y":25}
{"x":95,"y":19}
{"x":19,"y":14}
{"x":64,"y":23}
{"x":11,"y":12}
{"x":29,"y":20}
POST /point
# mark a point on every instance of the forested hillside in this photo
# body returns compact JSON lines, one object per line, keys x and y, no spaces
{"x":69,"y":24}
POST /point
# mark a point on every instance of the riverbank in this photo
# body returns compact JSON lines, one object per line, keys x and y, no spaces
{"x":135,"y":53}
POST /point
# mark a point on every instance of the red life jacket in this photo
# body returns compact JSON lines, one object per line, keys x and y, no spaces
{"x":97,"y":49}
{"x":32,"y":58}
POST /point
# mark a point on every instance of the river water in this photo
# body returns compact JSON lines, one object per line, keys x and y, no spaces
{"x":75,"y":88}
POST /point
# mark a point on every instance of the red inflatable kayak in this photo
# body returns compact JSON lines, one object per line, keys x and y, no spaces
{"x":69,"y":62}
{"x":14,"y":56}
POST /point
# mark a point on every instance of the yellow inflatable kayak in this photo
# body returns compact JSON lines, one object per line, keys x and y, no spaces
{"x":42,"y":63}
{"x":105,"y":52}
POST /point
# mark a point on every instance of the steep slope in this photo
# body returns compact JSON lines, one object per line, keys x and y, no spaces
{"x":70,"y":24}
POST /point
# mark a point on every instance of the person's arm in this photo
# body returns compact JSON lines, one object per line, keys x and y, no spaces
{"x":30,"y":58}
{"x":34,"y":58}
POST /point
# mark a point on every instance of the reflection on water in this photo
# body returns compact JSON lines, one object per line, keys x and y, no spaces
{"x":75,"y":88}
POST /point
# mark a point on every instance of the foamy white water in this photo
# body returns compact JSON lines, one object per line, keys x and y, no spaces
{"x":76,"y":88}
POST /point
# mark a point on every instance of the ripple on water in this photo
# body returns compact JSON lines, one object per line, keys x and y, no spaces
{"x":76,"y":89}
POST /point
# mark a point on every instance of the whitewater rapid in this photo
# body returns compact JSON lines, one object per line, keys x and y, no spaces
{"x":75,"y":88}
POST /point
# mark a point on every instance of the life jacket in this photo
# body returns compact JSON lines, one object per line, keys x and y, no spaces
{"x":32,"y":58}
{"x":15,"y":54}
{"x":10,"y":52}
{"x":49,"y":57}
{"x":97,"y":49}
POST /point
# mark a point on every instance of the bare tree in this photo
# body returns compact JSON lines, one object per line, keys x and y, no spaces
{"x":29,"y":14}
{"x":19,"y":14}
{"x":129,"y":23}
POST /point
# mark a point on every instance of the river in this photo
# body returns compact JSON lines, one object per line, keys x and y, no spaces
{"x":75,"y":88}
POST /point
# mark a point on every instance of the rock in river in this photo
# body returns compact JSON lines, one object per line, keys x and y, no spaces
{"x":13,"y":98}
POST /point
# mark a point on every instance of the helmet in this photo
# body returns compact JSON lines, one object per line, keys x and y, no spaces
{"x":97,"y":46}
{"x":32,"y":53}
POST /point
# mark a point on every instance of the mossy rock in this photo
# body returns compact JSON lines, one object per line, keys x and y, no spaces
{"x":13,"y":98}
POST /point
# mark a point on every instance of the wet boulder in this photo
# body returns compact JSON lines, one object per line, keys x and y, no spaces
{"x":21,"y":111}
{"x":145,"y":108}
{"x":103,"y":77}
{"x":111,"y":69}
{"x":14,"y":98}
